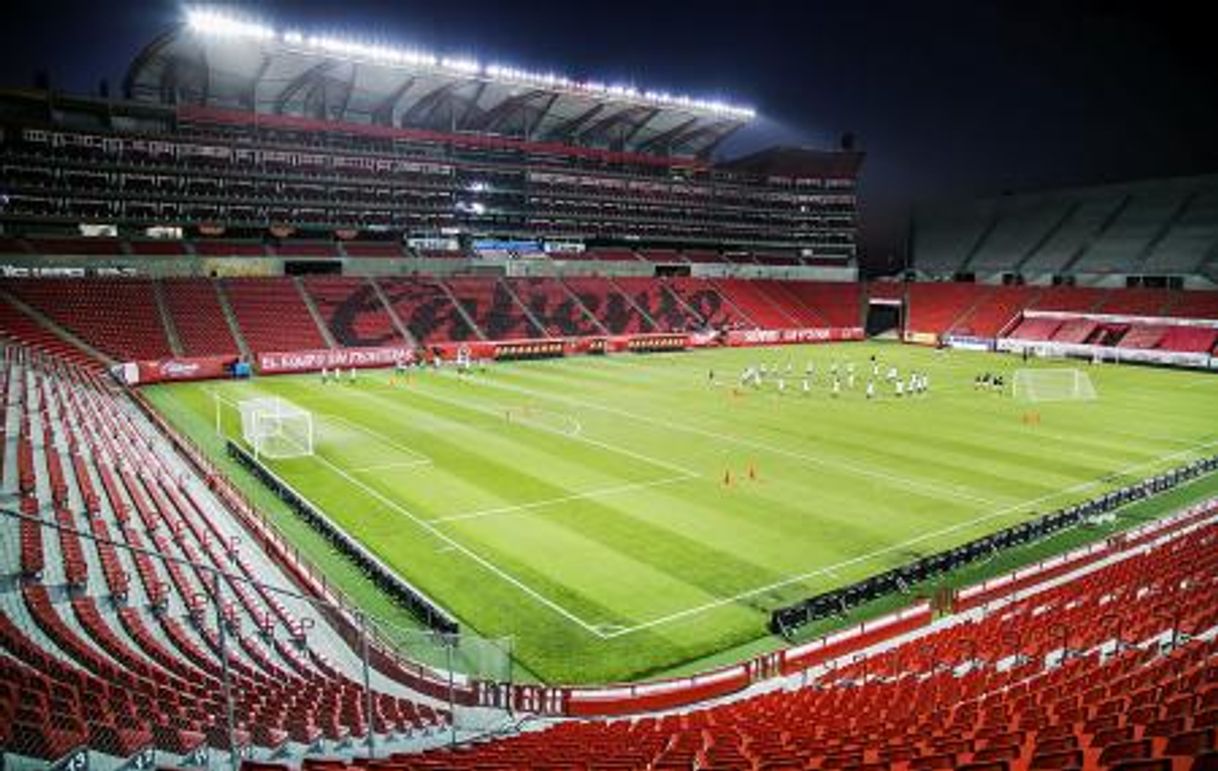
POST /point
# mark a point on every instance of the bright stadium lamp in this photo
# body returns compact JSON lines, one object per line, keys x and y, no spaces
{"x":210,"y":22}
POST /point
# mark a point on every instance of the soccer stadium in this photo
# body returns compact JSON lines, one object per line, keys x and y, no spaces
{"x":366,"y":407}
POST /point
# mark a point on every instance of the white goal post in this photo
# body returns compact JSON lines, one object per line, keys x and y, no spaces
{"x":275,"y":428}
{"x":1057,"y":384}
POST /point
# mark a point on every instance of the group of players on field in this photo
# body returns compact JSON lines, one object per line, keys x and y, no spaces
{"x":838,"y":377}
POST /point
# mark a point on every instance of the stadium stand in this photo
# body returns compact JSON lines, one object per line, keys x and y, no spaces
{"x":1161,"y":227}
{"x":157,"y":248}
{"x":140,"y":668}
{"x":653,"y":298}
{"x":272,"y":314}
{"x":610,"y":305}
{"x":1196,"y":305}
{"x":116,"y":316}
{"x":1068,"y":298}
{"x":1075,"y":331}
{"x":210,"y":248}
{"x":757,"y":306}
{"x":1189,"y":339}
{"x":1143,"y":336}
{"x":19,"y":328}
{"x":1138,"y":302}
{"x":1040,"y":329}
{"x":935,"y":308}
{"x":96,"y":247}
{"x":993,"y":312}
{"x":1184,"y":247}
{"x":353,"y":311}
{"x":839,"y":304}
{"x":493,"y":309}
{"x":558,"y":311}
{"x":707,"y":303}
{"x":197,"y":316}
{"x":427,"y":310}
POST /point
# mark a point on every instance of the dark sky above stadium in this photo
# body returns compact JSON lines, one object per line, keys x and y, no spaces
{"x":948,"y":99}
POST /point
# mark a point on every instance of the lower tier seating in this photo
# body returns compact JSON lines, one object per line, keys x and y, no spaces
{"x":198,"y":318}
{"x":114,"y":626}
{"x":272,"y":314}
{"x":118,"y":316}
{"x":353,"y":311}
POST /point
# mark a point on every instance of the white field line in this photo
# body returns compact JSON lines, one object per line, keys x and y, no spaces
{"x":930,"y":489}
{"x":600,"y":492}
{"x":573,"y":437}
{"x":406,"y":464}
{"x":465,"y":550}
{"x":896,"y":547}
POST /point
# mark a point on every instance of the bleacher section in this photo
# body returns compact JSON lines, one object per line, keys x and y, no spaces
{"x":130,"y":659}
{"x":116,"y":316}
{"x":426,"y":309}
{"x":762,"y":310}
{"x":660,"y":305}
{"x":839,"y":304}
{"x":993,"y":312}
{"x":934,"y":308}
{"x":707,"y":303}
{"x":16,"y":327}
{"x":557,"y":310}
{"x":353,"y":311}
{"x":197,"y":316}
{"x":1189,"y":339}
{"x":119,"y":316}
{"x":944,"y":239}
{"x":493,"y":309}
{"x":1164,"y":227}
{"x":272,"y":314}
{"x":1188,"y":243}
{"x":1143,"y":218}
{"x":610,"y":305}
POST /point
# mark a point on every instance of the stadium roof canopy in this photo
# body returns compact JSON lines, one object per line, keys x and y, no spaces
{"x":218,"y":61}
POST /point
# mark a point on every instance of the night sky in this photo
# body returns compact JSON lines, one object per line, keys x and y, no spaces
{"x":948,"y":99}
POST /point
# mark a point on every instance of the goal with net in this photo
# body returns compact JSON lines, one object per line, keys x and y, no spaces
{"x":275,"y":428}
{"x":1052,"y":385}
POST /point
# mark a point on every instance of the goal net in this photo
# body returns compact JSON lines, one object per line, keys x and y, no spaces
{"x":276,"y":428}
{"x":1052,"y":385}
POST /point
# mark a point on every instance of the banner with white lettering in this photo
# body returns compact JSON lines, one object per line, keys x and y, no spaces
{"x":272,"y":363}
{"x":746,"y":337}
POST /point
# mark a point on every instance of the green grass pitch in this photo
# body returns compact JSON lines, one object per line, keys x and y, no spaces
{"x":580,"y":505}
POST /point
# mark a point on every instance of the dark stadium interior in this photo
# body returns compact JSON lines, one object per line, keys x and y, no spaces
{"x":366,"y":206}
